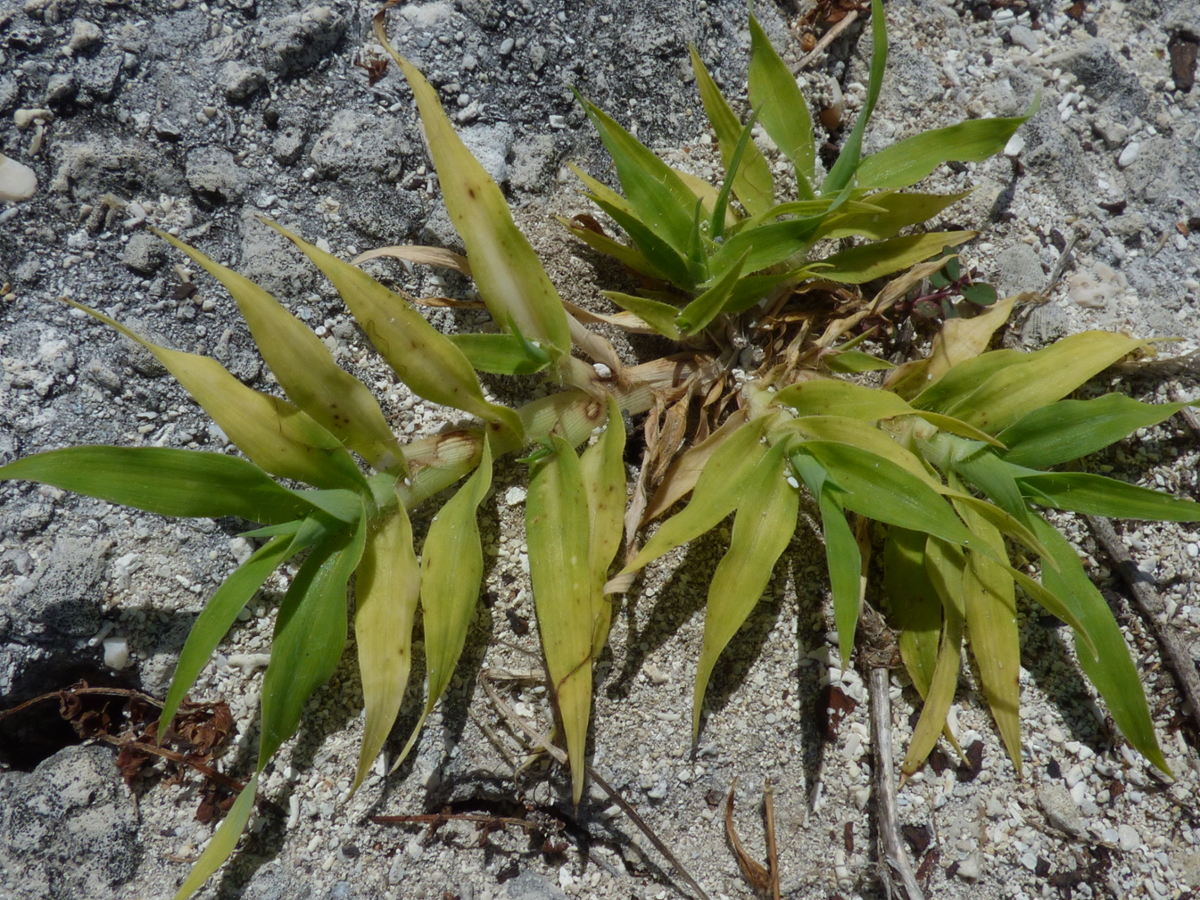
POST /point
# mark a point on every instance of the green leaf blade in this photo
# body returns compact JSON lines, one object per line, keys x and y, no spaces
{"x":223,"y":842}
{"x":781,"y":106}
{"x":875,"y":260}
{"x":1095,"y":495}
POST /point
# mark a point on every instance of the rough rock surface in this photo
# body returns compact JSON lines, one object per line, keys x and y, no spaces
{"x":197,"y":118}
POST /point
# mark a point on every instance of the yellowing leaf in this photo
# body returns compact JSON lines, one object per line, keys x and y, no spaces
{"x":510,"y":278}
{"x":912,"y":604}
{"x":451,"y":576}
{"x":557,"y":530}
{"x":423,"y":358}
{"x":753,"y":184}
{"x":338,"y":401}
{"x":762,"y":530}
{"x":716,"y":495}
{"x":272,"y":432}
{"x":991,"y":613}
{"x":874,"y":260}
{"x":603,"y":470}
{"x":386,"y":590}
{"x":660,"y":316}
{"x":781,"y":107}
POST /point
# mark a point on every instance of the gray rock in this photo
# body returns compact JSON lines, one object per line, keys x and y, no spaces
{"x":1061,"y":811}
{"x":1116,"y":91}
{"x":62,"y":598}
{"x":296,"y":43}
{"x":69,"y":828}
{"x":84,"y":36}
{"x":61,"y":88}
{"x":356,"y":144}
{"x":98,"y":78}
{"x":533,"y":164}
{"x":138,"y":357}
{"x":288,"y":145}
{"x":1128,"y":227}
{"x":491,"y":145}
{"x":1019,"y":270}
{"x":98,"y":373}
{"x":1024,"y":37}
{"x":87,"y":169}
{"x":144,"y":254}
{"x":240,"y":82}
{"x":271,"y":261}
{"x":213,"y":174}
{"x":10,"y":93}
{"x":530,"y":886}
{"x":971,"y":868}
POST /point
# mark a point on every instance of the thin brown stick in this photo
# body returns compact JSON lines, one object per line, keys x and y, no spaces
{"x":772,"y":847}
{"x":1152,"y":608}
{"x":828,"y":38}
{"x":893,"y":857}
{"x":79,"y":692}
{"x":155,"y":750}
{"x":541,"y":743}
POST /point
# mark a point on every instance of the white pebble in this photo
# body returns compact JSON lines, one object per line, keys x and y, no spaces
{"x":1015,"y":145}
{"x":116,"y":653}
{"x":17,"y":181}
{"x":1129,"y":154}
{"x":1127,"y":838}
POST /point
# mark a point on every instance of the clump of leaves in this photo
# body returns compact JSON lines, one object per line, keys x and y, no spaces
{"x":947,"y":461}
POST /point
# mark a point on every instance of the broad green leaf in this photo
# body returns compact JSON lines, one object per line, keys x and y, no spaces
{"x":697,"y":314}
{"x":659,"y":316}
{"x":603,"y":468}
{"x":305,"y":369}
{"x":597,"y":190}
{"x":557,"y":530}
{"x":1042,"y":378}
{"x":766,"y":245}
{"x":629,"y":256}
{"x":1070,"y":429}
{"x":732,"y":166}
{"x":879,"y":489}
{"x":659,"y":196}
{"x":914,"y":609}
{"x":502,"y":354}
{"x":386,"y":590}
{"x":834,"y":397}
{"x":343,"y":505}
{"x":752,"y":288}
{"x":223,"y":842}
{"x":684,"y":472}
{"x":717,"y":493}
{"x":853,"y":362}
{"x":945,"y":564}
{"x":451,"y":576}
{"x":958,"y":427}
{"x":1095,"y":495}
{"x":165,"y":481}
{"x":1106,"y":662}
{"x":865,"y":437}
{"x":310,"y":634}
{"x":908,"y":161}
{"x":842,"y":173}
{"x":781,"y":106}
{"x":991,"y":607}
{"x":215,"y":620}
{"x":422,"y":357}
{"x":507,"y":272}
{"x":962,"y":379}
{"x":810,"y":208}
{"x":762,"y":529}
{"x":896,"y":211}
{"x":845,"y":571}
{"x":874,"y":260}
{"x":752,"y":184}
{"x":661,"y":254}
{"x":272,"y":432}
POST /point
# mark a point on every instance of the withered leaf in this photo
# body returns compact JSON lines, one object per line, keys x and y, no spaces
{"x":832,"y":706}
{"x":974,"y":765}
{"x":756,"y":874}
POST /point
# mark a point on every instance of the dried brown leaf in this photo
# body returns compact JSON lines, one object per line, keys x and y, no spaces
{"x":756,"y":874}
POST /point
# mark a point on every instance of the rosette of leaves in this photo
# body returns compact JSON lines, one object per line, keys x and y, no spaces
{"x":944,"y":473}
{"x":703,"y":258}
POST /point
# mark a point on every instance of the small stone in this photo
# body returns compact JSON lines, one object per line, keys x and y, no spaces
{"x":1015,"y":145}
{"x":1127,"y":838}
{"x":18,"y":182}
{"x":23,"y":118}
{"x":970,"y":868}
{"x":143,"y":254}
{"x":240,"y":82}
{"x":84,"y":35}
{"x":514,"y":495}
{"x":1129,"y":154}
{"x":116,"y":653}
{"x":1025,"y":37}
{"x":1061,"y":811}
{"x":61,"y":88}
{"x":506,"y":46}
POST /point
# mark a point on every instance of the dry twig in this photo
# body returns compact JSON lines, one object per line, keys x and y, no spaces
{"x":828,"y":38}
{"x":894,"y":858}
{"x":1153,"y":611}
